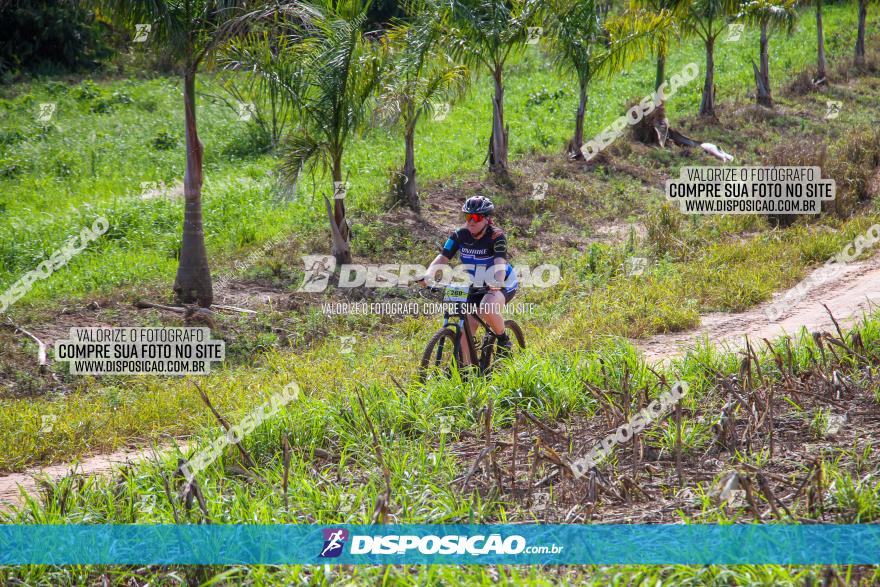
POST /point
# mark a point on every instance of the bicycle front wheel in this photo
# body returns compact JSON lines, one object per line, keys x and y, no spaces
{"x":439,"y":358}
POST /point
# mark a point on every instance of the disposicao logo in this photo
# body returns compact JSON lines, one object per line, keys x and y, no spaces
{"x":334,"y":540}
{"x":446,"y":545}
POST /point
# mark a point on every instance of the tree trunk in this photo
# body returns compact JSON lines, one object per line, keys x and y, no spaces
{"x":577,"y":142}
{"x":707,"y":104}
{"x":339,"y":230}
{"x":820,"y":73}
{"x":193,"y":281}
{"x":498,"y":140}
{"x":762,"y":76}
{"x":860,"y":38}
{"x":410,"y":193}
{"x":661,"y":72}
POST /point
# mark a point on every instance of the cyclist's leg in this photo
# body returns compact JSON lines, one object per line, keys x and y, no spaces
{"x":490,"y":310}
{"x":465,"y":343}
{"x":473,"y":302}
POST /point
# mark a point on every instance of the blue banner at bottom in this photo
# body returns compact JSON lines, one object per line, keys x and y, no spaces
{"x":439,"y":544}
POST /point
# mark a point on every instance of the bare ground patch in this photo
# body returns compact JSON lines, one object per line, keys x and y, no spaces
{"x":847,"y":295}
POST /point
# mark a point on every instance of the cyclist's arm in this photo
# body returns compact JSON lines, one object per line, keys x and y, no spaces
{"x":499,"y":267}
{"x":499,"y":271}
{"x":447,"y":252}
{"x":436,"y":265}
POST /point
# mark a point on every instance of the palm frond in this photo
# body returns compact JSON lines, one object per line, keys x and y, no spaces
{"x":484,"y":32}
{"x":708,"y":18}
{"x":632,"y":37}
{"x":340,"y":73}
{"x":299,"y":151}
{"x":776,"y":14}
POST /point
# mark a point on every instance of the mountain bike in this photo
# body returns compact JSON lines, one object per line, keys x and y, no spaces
{"x":443,"y":354}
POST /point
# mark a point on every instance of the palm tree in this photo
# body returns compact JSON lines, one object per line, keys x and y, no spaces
{"x":485,"y":32}
{"x":584,"y":41}
{"x":820,"y":46}
{"x":707,"y":19}
{"x":769,"y":15}
{"x":190,"y":30}
{"x":820,"y":72}
{"x":272,"y":77}
{"x":677,"y":9}
{"x":419,"y":78}
{"x":342,"y":69}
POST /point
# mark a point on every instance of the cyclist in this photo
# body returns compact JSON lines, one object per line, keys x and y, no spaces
{"x":483,"y":249}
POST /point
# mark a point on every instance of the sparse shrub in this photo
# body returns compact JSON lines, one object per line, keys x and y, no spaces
{"x":121,"y":98}
{"x":103,"y":105}
{"x":63,"y":166}
{"x":87,"y":90}
{"x":664,"y":229}
{"x":10,"y":136}
{"x":544,"y":95}
{"x":10,"y":168}
{"x":253,"y":142}
{"x":853,"y":163}
{"x":56,"y":88}
{"x":801,"y":85}
{"x":803,"y":153}
{"x":819,"y":424}
{"x":164,"y":140}
{"x":148,"y":105}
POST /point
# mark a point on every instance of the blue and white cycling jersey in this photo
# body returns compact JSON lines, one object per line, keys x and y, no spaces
{"x":481,"y":252}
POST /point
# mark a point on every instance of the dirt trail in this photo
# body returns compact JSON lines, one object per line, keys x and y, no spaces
{"x":95,"y":465}
{"x":853,"y":290}
{"x":847,"y":295}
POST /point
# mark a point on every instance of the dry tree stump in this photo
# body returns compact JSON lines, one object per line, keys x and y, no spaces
{"x":654,"y":129}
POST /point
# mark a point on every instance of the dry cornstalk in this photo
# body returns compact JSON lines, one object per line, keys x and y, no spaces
{"x":380,"y":512}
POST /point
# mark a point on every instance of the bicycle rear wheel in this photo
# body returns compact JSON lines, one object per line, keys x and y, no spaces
{"x":489,"y":351}
{"x":439,"y":358}
{"x":518,"y":335}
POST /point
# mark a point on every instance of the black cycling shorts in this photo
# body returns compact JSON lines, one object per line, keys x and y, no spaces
{"x":474,"y":299}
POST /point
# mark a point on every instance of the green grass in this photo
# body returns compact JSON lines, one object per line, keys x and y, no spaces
{"x":416,"y":451}
{"x":594,"y":305}
{"x":107,"y":137}
{"x":56,"y":178}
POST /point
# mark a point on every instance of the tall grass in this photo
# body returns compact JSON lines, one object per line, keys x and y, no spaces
{"x":107,"y":137}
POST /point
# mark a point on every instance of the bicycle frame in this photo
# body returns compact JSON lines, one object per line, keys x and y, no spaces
{"x":462,"y":324}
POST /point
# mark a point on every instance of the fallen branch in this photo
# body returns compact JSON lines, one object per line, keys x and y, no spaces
{"x":540,"y":424}
{"x":486,"y":450}
{"x":233,"y":309}
{"x":245,"y":455}
{"x":142,"y":305}
{"x":41,"y":352}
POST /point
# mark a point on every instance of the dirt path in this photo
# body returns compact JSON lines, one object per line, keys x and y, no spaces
{"x":95,"y":465}
{"x":850,"y":292}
